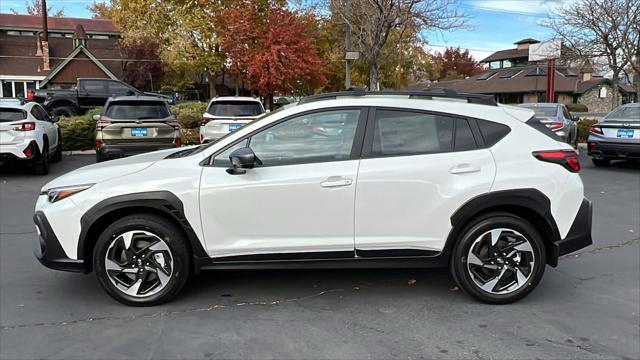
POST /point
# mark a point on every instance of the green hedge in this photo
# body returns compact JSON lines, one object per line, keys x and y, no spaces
{"x":583,"y":128}
{"x":577,"y":107}
{"x":189,"y":114}
{"x":79,"y":132}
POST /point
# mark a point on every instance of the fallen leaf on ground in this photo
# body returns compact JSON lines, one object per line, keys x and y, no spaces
{"x":455,"y":288}
{"x":411,"y":281}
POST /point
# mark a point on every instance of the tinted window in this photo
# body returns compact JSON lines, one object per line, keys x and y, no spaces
{"x":8,"y":114}
{"x":464,"y":136}
{"x":116,"y":88}
{"x":409,"y":133}
{"x":222,"y":159}
{"x":137,"y":110}
{"x":38,"y":113}
{"x":235,"y":108}
{"x":627,"y":113}
{"x":93,"y":86}
{"x":492,"y":132}
{"x":316,"y":137}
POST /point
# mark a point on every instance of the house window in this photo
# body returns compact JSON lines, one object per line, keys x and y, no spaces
{"x":16,"y":88}
{"x":506,"y":63}
{"x":101,"y":37}
{"x":494,"y":65}
{"x":602,"y":93}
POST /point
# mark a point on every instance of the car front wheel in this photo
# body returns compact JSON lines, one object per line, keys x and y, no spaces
{"x":499,"y":259}
{"x":142,"y":260}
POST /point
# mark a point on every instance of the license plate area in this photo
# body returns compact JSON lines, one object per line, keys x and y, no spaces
{"x":139,"y":132}
{"x":625,"y":133}
{"x":234,"y":127}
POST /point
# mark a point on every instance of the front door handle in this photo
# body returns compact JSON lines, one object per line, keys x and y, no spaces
{"x":464,"y":169}
{"x":336,"y":181}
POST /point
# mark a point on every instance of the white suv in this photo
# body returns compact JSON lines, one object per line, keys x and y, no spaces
{"x":28,"y":133}
{"x":353,"y":179}
{"x":227,"y":114}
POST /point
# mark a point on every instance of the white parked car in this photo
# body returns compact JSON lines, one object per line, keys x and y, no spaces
{"x":28,"y":133}
{"x":353,"y":179}
{"x":227,"y":114}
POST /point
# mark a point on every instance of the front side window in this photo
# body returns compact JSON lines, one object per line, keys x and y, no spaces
{"x":400,"y":133}
{"x":116,"y":88}
{"x":93,"y":86}
{"x":38,"y":113}
{"x":222,"y":159}
{"x":315,"y":137}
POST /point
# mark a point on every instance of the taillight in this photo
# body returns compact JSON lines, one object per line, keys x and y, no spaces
{"x":596,"y":130}
{"x":24,"y":126}
{"x":204,"y":121}
{"x":28,"y":151}
{"x":566,"y":158}
{"x":555,"y":126}
{"x":100,"y":124}
{"x":178,"y":142}
{"x":173,"y":123}
{"x":98,"y":144}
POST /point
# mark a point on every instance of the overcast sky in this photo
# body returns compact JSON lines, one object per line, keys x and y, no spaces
{"x":495,"y":24}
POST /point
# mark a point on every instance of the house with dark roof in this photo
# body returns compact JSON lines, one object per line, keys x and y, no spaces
{"x":513,"y":79}
{"x":72,"y":48}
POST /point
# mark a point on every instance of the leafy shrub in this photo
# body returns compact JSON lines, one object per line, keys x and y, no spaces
{"x":79,"y":132}
{"x":189,"y":114}
{"x":190,"y":136}
{"x":583,"y":128}
{"x":578,"y":107}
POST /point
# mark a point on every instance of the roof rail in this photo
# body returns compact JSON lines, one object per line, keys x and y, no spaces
{"x":20,"y":100}
{"x":427,"y":94}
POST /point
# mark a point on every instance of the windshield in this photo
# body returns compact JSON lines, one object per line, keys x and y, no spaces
{"x":627,"y":113}
{"x":235,"y":108}
{"x":137,"y":110}
{"x":9,"y":114}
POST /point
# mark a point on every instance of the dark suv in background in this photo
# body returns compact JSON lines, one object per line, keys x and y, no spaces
{"x":131,"y":125}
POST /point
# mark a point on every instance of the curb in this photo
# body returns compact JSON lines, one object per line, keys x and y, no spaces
{"x":582,"y":146}
{"x":78,"y":152}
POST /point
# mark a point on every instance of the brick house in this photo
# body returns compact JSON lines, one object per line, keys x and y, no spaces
{"x":512,"y":79}
{"x":75,"y":48}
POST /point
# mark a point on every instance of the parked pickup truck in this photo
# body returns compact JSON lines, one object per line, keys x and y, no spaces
{"x":87,"y":94}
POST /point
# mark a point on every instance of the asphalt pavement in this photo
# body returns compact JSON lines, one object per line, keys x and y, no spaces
{"x":587,"y":307}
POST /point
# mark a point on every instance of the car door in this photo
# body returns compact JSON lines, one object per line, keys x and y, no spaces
{"x":299,"y":203}
{"x":92,"y":93}
{"x":45,"y":122}
{"x":417,"y":169}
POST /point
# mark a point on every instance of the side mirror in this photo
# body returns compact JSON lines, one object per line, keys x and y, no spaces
{"x":96,"y":117}
{"x":575,"y":117}
{"x":241,"y":159}
{"x":55,"y":118}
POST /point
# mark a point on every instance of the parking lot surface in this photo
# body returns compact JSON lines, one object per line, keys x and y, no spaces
{"x":587,"y":307}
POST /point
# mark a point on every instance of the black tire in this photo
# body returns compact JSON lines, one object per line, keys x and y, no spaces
{"x":57,"y":156}
{"x":66,"y":111}
{"x":41,"y":162}
{"x":99,"y":157}
{"x":472,"y":234}
{"x":171,"y":237}
{"x":600,"y":162}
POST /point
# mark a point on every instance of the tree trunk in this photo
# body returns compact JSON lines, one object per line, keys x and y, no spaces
{"x":269,"y":100}
{"x":615,"y":91}
{"x":373,"y":76}
{"x":212,"y":86}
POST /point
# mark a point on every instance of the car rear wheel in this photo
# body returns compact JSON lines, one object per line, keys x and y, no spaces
{"x":41,"y":162}
{"x":499,"y":259}
{"x":57,"y":156}
{"x":142,"y":260}
{"x":65,"y":111}
{"x":600,"y":162}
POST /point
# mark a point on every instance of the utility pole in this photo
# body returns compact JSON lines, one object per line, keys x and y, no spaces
{"x":347,"y":47}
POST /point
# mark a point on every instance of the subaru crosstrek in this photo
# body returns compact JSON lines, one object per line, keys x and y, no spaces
{"x":342,"y":180}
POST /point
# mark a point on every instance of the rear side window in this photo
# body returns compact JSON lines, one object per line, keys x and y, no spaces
{"x":492,"y":132}
{"x":235,"y":108}
{"x":398,"y":133}
{"x":9,"y":114}
{"x":464,"y":139}
{"x":536,"y":124}
{"x":38,"y":113}
{"x":137,"y":110}
{"x":94,"y":86}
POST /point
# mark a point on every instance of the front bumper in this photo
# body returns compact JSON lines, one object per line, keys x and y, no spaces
{"x":612,"y":150}
{"x":121,"y":150}
{"x":48,"y":250}
{"x":579,"y":235}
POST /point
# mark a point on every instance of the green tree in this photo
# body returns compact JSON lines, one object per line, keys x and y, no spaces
{"x":100,"y":10}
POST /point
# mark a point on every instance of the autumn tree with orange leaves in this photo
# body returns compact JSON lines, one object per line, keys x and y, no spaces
{"x":271,"y":50}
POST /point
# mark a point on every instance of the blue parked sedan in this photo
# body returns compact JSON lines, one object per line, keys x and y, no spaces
{"x":616,"y":136}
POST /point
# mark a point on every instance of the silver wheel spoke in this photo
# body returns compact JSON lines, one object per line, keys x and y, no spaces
{"x":495,"y":235}
{"x":112,"y":265}
{"x":524,"y":246}
{"x":491,"y":284}
{"x":473,"y":259}
{"x":133,"y":289}
{"x":127,"y":237}
{"x":520,"y":276}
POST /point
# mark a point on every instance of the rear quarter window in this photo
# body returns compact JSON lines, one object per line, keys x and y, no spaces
{"x":492,"y":132}
{"x":137,"y":110}
{"x":9,"y":114}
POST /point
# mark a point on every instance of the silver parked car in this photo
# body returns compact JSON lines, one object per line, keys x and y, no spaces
{"x":558,"y":119}
{"x":616,"y":136}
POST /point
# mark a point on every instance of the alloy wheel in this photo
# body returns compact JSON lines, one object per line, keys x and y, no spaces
{"x":501,"y":261}
{"x":139,"y":263}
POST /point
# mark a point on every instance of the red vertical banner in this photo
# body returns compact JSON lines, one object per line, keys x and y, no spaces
{"x":551,"y":81}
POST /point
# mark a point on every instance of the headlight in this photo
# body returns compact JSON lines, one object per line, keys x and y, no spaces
{"x":59,"y":193}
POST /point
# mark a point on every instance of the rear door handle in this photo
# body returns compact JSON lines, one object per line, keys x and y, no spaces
{"x":336,"y":181}
{"x":464,"y":169}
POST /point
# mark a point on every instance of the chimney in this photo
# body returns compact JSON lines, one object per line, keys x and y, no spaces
{"x":586,"y":70}
{"x":44,"y":39}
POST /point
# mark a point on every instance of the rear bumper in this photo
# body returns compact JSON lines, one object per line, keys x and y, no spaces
{"x":579,"y":235}
{"x":16,"y":151}
{"x":48,"y":250}
{"x":121,"y":150}
{"x":612,"y":150}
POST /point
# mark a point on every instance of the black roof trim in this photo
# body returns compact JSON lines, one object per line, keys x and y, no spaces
{"x":426,"y":94}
